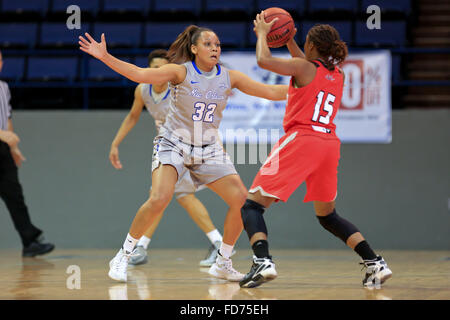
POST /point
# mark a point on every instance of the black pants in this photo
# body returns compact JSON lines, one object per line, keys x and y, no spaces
{"x":12,"y":194}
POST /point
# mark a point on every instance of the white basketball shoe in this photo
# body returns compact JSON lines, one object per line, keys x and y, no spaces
{"x":223,"y":269}
{"x":138,"y":256}
{"x":118,"y":266}
{"x":211,"y":256}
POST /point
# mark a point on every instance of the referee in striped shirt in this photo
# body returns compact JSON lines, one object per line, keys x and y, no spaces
{"x":10,"y":188}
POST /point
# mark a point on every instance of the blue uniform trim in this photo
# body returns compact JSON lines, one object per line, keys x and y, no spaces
{"x":150,"y":93}
{"x":195,"y":67}
{"x":199,"y":72}
{"x":168,"y":91}
{"x":218,"y":69}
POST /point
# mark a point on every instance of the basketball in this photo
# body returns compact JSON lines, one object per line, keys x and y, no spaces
{"x":282,"y":30}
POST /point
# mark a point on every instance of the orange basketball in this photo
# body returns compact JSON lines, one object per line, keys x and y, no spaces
{"x":282,"y":30}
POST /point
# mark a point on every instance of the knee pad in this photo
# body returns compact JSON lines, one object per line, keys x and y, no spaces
{"x":338,"y":226}
{"x":252,"y":218}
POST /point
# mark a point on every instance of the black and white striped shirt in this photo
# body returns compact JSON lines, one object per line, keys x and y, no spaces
{"x":5,"y":106}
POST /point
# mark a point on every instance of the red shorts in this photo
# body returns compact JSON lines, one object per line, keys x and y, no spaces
{"x":300,"y":156}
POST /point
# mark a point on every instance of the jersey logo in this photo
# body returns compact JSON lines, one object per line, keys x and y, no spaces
{"x":196,"y":93}
{"x":329,"y":77}
{"x":195,"y":82}
{"x":212,"y":95}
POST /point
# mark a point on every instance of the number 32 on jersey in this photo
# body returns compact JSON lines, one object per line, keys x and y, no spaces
{"x":327,"y":107}
{"x":204,"y":112}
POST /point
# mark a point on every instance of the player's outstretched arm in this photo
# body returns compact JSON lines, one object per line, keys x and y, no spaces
{"x":251,"y":87}
{"x":127,"y":125}
{"x":169,"y":72}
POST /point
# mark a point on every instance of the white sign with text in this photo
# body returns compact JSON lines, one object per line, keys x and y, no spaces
{"x":363,"y":117}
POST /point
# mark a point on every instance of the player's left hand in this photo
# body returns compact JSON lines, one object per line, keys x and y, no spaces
{"x":261,"y":26}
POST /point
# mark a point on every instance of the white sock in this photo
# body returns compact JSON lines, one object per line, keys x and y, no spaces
{"x":226,"y":250}
{"x":144,"y":242}
{"x":214,"y":236}
{"x":129,"y":244}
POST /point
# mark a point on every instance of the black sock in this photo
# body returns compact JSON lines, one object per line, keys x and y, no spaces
{"x":364,"y":251}
{"x":261,"y":249}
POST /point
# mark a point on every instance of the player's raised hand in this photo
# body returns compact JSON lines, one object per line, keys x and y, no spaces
{"x":261,"y":26}
{"x":293,"y":34}
{"x":94,"y":48}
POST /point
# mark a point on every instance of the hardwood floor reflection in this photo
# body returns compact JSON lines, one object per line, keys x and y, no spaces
{"x":173,"y":274}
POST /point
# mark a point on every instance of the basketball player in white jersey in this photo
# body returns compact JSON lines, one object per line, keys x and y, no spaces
{"x":156,"y":100}
{"x":189,"y":138}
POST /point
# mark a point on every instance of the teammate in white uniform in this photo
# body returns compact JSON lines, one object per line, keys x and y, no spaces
{"x":156,"y":100}
{"x":189,"y":138}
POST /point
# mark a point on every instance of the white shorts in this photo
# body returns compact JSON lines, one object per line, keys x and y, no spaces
{"x":204,"y":164}
{"x":185,"y":185}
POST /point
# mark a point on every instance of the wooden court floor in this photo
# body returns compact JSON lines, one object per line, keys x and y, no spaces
{"x":173,"y":274}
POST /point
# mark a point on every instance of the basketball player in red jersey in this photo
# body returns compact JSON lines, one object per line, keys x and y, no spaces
{"x":309,"y":151}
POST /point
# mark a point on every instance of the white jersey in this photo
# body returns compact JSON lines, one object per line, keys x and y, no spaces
{"x":196,"y":106}
{"x":156,"y":104}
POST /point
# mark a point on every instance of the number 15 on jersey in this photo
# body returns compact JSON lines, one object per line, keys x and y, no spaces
{"x":327,"y":106}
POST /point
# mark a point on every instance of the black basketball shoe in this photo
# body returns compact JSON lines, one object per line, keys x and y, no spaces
{"x":263,"y":270}
{"x":377,"y":272}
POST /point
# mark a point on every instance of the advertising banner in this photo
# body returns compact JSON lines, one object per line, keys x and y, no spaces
{"x":364,"y":115}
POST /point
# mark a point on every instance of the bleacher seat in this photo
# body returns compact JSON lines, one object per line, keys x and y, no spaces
{"x":192,"y":6}
{"x":128,"y":6}
{"x":297,"y":6}
{"x":52,"y":68}
{"x":86,"y":6}
{"x":18,"y":34}
{"x":163,"y":34}
{"x":388,"y":6}
{"x":98,"y":71}
{"x":24,"y":6}
{"x":141,"y":61}
{"x":232,"y":34}
{"x":396,"y":67}
{"x":244,"y":6}
{"x":392,"y":33}
{"x":13,"y":68}
{"x":119,"y":33}
{"x":343,"y":27}
{"x":57,"y":34}
{"x":349,"y":6}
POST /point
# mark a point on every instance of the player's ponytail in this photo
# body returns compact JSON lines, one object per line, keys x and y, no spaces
{"x":328,"y":44}
{"x":338,"y":52}
{"x":180,"y":49}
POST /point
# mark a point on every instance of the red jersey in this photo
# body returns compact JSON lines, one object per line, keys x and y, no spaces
{"x":314,"y":106}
